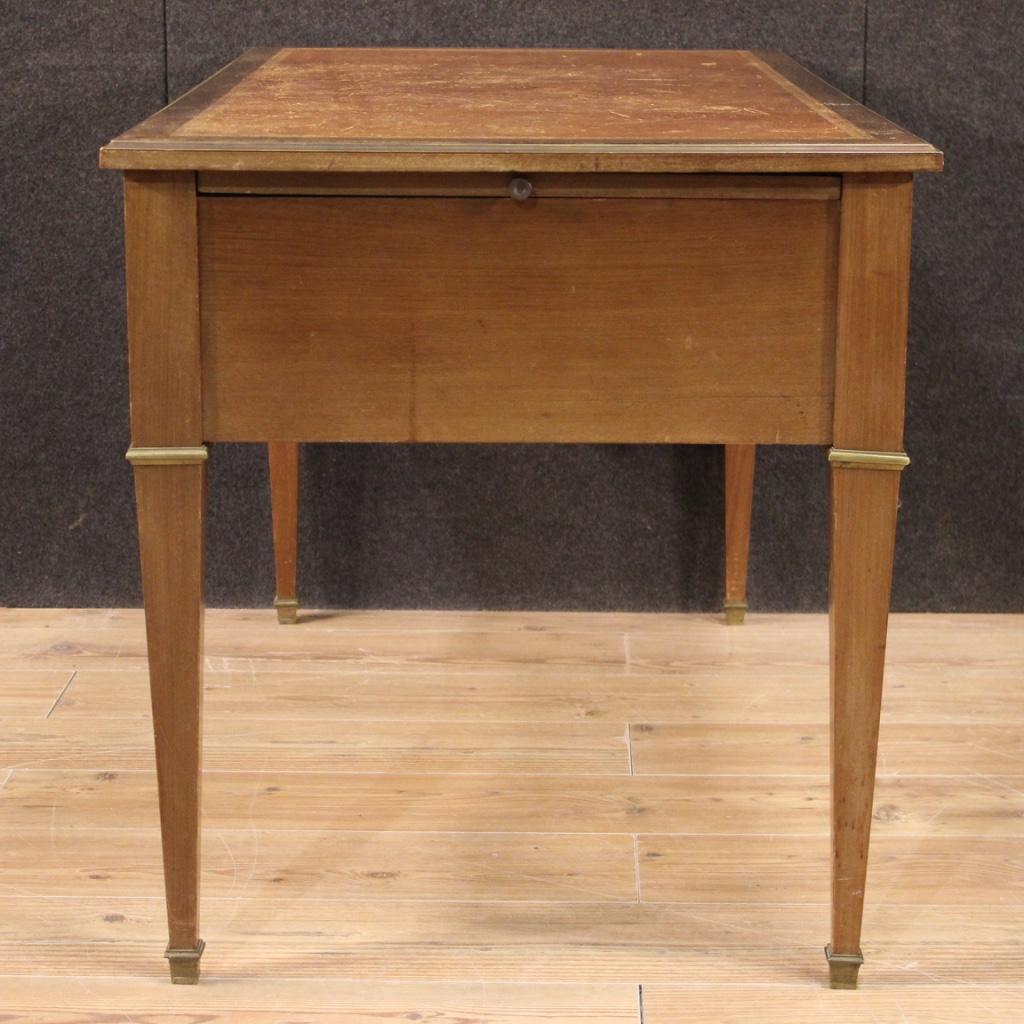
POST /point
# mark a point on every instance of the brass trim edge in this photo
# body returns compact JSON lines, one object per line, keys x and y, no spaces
{"x":843,"y":968}
{"x":166,"y":456}
{"x":845,"y":458}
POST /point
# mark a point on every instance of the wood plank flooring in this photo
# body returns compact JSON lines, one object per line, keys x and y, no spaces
{"x":489,"y":818}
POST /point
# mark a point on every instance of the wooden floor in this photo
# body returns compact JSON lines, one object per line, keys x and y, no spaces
{"x":463,"y":818}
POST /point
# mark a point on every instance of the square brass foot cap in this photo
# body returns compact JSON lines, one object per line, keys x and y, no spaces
{"x":735,"y":612}
{"x":287,"y":611}
{"x":843,"y":968}
{"x":184,"y":964}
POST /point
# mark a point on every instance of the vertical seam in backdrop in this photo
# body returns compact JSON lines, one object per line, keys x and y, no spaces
{"x":864,"y":54}
{"x":163,"y":7}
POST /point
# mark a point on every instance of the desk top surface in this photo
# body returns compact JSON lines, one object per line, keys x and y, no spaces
{"x":462,"y":109}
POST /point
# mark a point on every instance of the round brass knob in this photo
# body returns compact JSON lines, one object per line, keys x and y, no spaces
{"x":520,"y":188}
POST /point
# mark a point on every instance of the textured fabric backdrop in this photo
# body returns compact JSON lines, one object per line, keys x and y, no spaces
{"x":507,"y":527}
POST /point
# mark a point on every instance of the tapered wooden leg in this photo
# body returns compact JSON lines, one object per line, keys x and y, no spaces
{"x":171,"y":510}
{"x":864,"y":504}
{"x":739,"y":500}
{"x":284,"y":503}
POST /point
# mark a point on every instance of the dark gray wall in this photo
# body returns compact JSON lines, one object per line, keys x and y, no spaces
{"x":506,"y":526}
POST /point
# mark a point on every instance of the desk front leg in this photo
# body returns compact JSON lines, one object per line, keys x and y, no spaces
{"x":171,"y":499}
{"x":169,"y":461}
{"x":866,"y":460}
{"x":864,"y":502}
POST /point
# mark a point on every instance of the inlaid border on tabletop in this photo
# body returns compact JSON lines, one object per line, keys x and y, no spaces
{"x":219,"y":125}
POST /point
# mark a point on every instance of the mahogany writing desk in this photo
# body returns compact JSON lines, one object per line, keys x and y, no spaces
{"x":517,"y":245}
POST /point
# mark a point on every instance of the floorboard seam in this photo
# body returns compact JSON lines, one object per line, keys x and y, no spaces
{"x":636,"y":864}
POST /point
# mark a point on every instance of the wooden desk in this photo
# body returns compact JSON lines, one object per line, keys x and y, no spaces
{"x":513,"y":245}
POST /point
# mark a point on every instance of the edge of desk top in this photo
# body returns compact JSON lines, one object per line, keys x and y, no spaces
{"x":227,"y":123}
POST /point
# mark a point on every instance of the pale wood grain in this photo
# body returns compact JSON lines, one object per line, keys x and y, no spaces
{"x":927,"y":869}
{"x":275,"y":1000}
{"x":925,"y":805}
{"x":728,"y":1004}
{"x":657,"y":640}
{"x":748,"y":749}
{"x":236,"y":743}
{"x":257,"y":863}
{"x":31,"y":693}
{"x":443,"y":651}
{"x":392,"y":941}
{"x":620,"y":936}
{"x":926,"y":693}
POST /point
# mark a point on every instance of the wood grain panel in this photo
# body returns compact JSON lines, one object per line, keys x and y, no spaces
{"x":161,"y":269}
{"x":491,"y":320}
{"x":871,"y":331}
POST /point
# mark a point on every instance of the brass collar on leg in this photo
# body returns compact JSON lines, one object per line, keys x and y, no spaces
{"x":166,"y":456}
{"x":844,"y":458}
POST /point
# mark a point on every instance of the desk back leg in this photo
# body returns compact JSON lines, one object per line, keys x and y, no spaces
{"x":284,"y":502}
{"x":739,"y":502}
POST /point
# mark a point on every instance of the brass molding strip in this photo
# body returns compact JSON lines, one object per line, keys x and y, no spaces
{"x":166,"y":456}
{"x":844,"y":458}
